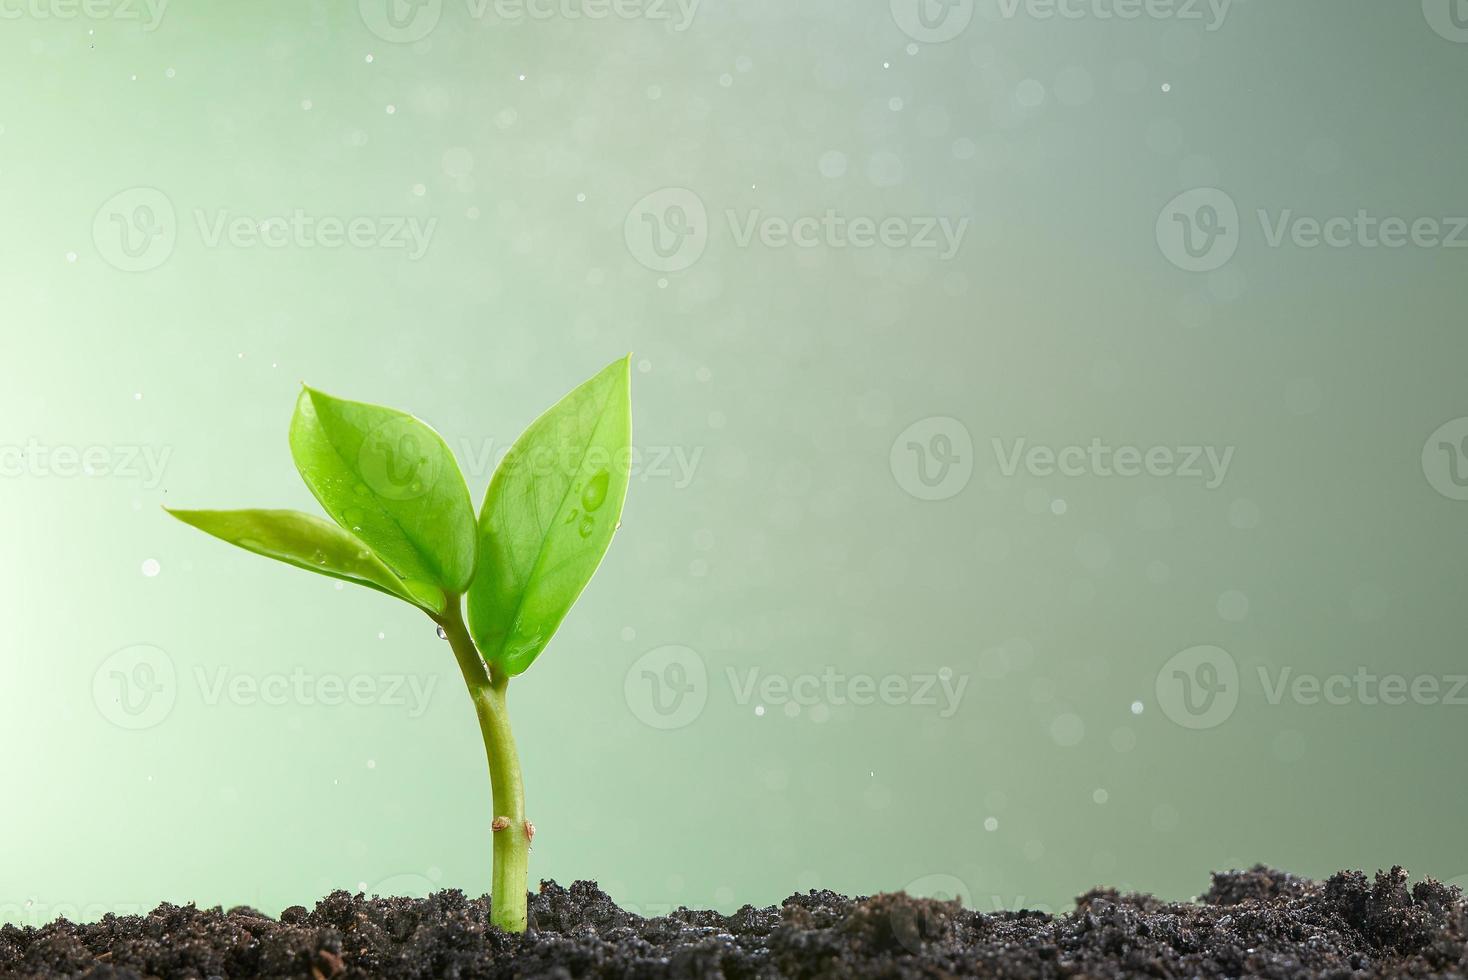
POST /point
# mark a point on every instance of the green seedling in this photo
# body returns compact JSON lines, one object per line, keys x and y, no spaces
{"x":404,"y":525}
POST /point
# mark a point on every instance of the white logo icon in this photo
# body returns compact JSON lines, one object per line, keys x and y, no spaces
{"x":400,"y":21}
{"x":933,"y":21}
{"x":1445,"y":459}
{"x":668,"y":230}
{"x":136,"y":229}
{"x":667,"y":688}
{"x":1199,"y":687}
{"x":1449,"y":18}
{"x":1199,"y":230}
{"x":933,"y":458}
{"x":135,"y":688}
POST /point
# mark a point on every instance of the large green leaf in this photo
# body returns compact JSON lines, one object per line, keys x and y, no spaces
{"x":548,"y":518}
{"x":390,"y":480}
{"x":306,"y":541}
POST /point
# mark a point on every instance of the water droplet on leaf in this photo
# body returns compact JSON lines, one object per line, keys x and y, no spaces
{"x":595,"y":493}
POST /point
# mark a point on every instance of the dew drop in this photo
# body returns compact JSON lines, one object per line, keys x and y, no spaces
{"x":586,"y":527}
{"x":595,"y":493}
{"x":443,"y":633}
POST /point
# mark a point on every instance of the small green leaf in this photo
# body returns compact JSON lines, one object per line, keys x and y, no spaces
{"x":390,"y":480}
{"x":548,"y":518}
{"x":308,"y":542}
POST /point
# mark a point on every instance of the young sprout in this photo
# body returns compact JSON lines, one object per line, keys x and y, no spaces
{"x":404,"y":525}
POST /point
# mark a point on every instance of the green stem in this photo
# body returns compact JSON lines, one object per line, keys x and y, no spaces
{"x":511,"y":841}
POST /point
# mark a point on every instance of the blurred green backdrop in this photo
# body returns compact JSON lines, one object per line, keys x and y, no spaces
{"x":1034,"y":514}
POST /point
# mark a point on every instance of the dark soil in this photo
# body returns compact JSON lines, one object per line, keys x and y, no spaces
{"x":1258,"y":923}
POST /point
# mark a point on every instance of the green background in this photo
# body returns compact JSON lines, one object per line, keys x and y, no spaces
{"x":797,"y":541}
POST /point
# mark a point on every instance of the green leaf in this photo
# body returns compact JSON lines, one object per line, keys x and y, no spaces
{"x":548,"y":518}
{"x":307,"y":542}
{"x":390,"y":480}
